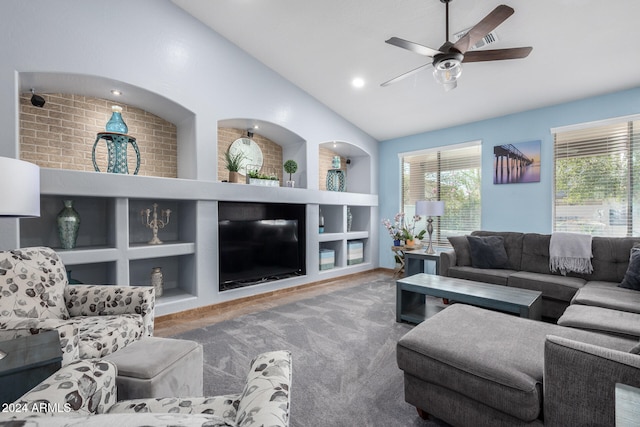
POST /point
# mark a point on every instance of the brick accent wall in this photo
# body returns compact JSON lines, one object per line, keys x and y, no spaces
{"x":271,"y":152}
{"x":61,"y":135}
{"x":325,"y":157}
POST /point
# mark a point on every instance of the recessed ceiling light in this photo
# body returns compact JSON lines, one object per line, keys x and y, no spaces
{"x":116,"y":92}
{"x":358,"y":82}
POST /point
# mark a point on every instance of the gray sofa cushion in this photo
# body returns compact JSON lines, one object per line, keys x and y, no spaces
{"x":512,"y":245}
{"x":486,"y":275}
{"x":487,"y":252}
{"x":461,"y":247}
{"x":535,"y":253}
{"x":611,"y":257}
{"x":632,"y":276}
{"x":608,"y":295}
{"x":491,"y":357}
{"x":601,"y":319}
{"x":562,"y":288}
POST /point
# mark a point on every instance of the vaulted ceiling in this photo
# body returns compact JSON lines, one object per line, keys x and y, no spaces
{"x":581,"y":48}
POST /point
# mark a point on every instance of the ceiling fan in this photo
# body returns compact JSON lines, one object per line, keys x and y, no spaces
{"x":448,"y":59}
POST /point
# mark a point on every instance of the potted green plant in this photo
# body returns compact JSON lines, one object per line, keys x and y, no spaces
{"x":267,"y":179}
{"x":290,"y":167}
{"x":233,"y":162}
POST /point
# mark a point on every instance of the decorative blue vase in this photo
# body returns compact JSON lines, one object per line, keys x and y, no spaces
{"x":115,"y":123}
{"x":335,"y":180}
{"x":68,"y":221}
{"x":335,"y":162}
{"x":396,"y":242}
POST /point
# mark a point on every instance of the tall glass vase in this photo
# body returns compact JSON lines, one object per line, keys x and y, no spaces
{"x":68,"y":221}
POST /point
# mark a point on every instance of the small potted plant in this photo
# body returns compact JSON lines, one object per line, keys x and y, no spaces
{"x":408,"y":232}
{"x":290,"y":167}
{"x":233,"y":162}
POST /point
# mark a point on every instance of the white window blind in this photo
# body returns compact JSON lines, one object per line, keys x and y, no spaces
{"x":597,"y":181}
{"x":451,"y":174}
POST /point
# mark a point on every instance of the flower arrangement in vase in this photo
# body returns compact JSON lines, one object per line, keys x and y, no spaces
{"x":395,"y":229}
{"x":409,"y":231}
{"x":403,"y":230}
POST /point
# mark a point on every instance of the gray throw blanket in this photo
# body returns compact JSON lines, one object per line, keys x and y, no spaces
{"x":570,"y":252}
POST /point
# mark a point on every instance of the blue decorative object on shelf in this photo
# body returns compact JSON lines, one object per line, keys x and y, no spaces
{"x":68,"y":221}
{"x":115,"y":123}
{"x":336,"y":181}
{"x":117,"y":152}
{"x":335,"y":162}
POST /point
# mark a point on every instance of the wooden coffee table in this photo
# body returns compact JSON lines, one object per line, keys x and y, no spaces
{"x":411,"y":291}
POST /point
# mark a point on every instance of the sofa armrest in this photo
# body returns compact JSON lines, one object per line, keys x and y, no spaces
{"x":447,"y":259}
{"x":83,"y":387}
{"x":223,"y":408}
{"x":106,"y":300}
{"x":11,"y":328}
{"x":580,"y":381}
{"x":265,"y":399}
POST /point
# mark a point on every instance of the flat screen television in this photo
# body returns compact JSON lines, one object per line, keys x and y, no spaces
{"x":259,"y":243}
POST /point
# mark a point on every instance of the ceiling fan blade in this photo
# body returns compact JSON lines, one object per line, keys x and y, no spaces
{"x":497,"y":54}
{"x":413,"y":47}
{"x":407,"y":74}
{"x":484,"y":27}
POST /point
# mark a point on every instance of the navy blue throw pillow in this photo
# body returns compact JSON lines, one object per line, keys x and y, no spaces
{"x":632,"y":276}
{"x":488,"y":252}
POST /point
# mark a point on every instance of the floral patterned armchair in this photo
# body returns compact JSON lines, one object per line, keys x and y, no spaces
{"x":84,"y":393}
{"x":92,"y":320}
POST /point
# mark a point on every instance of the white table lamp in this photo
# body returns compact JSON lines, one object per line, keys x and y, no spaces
{"x":430,"y":208}
{"x":20,"y":194}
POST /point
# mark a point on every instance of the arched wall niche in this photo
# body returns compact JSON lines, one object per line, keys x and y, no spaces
{"x":293,"y":147}
{"x":44,"y":83}
{"x":355,"y":161}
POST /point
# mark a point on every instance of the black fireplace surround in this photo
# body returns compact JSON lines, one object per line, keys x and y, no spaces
{"x":260,"y":242}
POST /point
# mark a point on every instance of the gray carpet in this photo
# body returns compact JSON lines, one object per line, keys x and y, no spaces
{"x":343,"y":348}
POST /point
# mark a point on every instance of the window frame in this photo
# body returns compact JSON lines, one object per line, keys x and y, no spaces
{"x":438,"y":150}
{"x":631,"y":144}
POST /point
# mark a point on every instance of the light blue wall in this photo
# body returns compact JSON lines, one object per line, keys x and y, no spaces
{"x":514,"y":207}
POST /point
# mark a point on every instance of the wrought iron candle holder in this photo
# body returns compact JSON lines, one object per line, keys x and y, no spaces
{"x":151,"y":220}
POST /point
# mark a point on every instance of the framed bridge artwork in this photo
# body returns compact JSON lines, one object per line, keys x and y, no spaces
{"x":516,"y":163}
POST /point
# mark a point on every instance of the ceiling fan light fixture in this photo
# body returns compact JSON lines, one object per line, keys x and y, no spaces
{"x":447,"y":67}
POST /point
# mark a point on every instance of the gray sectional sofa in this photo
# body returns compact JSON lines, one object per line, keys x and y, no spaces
{"x":528,"y":268}
{"x":475,"y":367}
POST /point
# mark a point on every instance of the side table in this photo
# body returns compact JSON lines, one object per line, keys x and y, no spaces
{"x":399,"y":252}
{"x":28,"y":361}
{"x":398,"y":255}
{"x":414,"y":261}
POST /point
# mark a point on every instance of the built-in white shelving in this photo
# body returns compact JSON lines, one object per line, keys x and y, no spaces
{"x":112,"y":244}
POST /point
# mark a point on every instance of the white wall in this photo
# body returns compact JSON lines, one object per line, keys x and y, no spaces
{"x":157,"y":47}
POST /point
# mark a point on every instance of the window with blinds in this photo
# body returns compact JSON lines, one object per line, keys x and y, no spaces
{"x":450,"y":174}
{"x":597,"y":181}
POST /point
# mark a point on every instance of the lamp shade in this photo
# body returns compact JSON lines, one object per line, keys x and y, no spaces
{"x":429,"y":208}
{"x":20,"y":193}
